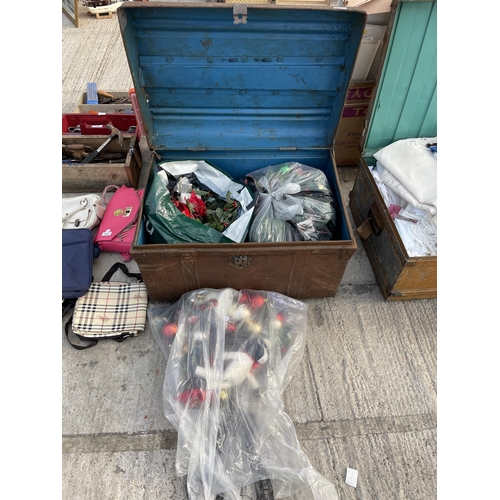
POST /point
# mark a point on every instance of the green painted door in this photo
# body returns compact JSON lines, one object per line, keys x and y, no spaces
{"x":406,"y":102}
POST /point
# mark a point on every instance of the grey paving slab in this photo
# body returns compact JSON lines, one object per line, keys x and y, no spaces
{"x":141,"y":475}
{"x":399,"y":466}
{"x":114,"y":386}
{"x":93,"y":52}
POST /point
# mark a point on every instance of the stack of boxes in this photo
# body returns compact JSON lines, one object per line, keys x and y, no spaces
{"x":348,"y":141}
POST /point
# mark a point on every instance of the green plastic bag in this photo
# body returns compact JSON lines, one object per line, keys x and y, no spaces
{"x":165,"y":223}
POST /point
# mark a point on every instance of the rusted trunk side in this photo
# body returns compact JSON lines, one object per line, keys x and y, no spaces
{"x":398,"y":275}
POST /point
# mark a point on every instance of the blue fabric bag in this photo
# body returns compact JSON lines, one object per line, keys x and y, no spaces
{"x":77,"y":261}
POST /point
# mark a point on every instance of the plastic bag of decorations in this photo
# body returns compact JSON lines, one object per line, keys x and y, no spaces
{"x":230,"y":355}
{"x":194,"y":202}
{"x":295,"y":203}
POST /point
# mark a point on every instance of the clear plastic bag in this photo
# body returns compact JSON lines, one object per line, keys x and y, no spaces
{"x":295,"y":203}
{"x":230,"y":355}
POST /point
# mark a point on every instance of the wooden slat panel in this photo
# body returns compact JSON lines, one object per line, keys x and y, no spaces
{"x":405,"y":105}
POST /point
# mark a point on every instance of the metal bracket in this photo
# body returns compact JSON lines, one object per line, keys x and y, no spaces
{"x":240,"y":14}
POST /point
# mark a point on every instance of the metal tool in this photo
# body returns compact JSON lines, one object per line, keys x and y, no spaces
{"x":114,"y":134}
{"x":75,"y":152}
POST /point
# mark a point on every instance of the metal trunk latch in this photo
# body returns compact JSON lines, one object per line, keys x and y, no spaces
{"x":241,"y":261}
{"x":240,"y":14}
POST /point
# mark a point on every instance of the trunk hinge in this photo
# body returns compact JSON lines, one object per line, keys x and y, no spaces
{"x":240,"y":13}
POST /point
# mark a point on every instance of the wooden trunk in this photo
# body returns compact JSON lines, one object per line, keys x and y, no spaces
{"x":399,"y":276}
{"x":404,"y":107}
{"x":94,"y":177}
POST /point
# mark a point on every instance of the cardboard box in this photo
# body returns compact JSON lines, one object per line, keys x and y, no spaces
{"x":348,"y":141}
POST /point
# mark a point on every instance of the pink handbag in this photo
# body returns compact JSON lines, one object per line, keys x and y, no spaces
{"x":117,"y":229}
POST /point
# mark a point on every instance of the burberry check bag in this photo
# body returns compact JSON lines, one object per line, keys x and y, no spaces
{"x":110,"y":309}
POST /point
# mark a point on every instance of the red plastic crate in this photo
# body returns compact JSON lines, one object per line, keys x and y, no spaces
{"x":92,"y":124}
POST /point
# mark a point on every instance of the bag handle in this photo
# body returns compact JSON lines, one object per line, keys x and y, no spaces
{"x":103,"y":195}
{"x":123,"y":267}
{"x":83,"y":204}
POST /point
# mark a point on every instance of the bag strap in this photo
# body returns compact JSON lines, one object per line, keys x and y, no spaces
{"x":123,"y":267}
{"x":67,"y":305}
{"x":93,"y":342}
{"x":76,"y":346}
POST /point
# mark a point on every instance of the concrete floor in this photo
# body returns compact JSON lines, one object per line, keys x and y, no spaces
{"x":364,"y":396}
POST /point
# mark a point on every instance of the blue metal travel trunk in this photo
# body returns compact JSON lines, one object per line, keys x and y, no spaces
{"x":243,"y":87}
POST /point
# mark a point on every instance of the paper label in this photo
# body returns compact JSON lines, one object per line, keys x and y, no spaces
{"x":351,"y":477}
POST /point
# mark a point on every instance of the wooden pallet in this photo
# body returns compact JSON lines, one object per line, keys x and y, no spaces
{"x":102,"y":15}
{"x":105,"y":11}
{"x":302,"y":2}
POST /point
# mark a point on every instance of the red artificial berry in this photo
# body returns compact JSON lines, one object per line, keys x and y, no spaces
{"x":257,"y":301}
{"x":243,"y":298}
{"x":230,"y":327}
{"x":170,"y":329}
{"x":192,"y":398}
{"x":279,"y":317}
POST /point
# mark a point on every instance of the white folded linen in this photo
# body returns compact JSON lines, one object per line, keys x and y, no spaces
{"x":388,"y":195}
{"x":413,"y":165}
{"x":395,"y":185}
